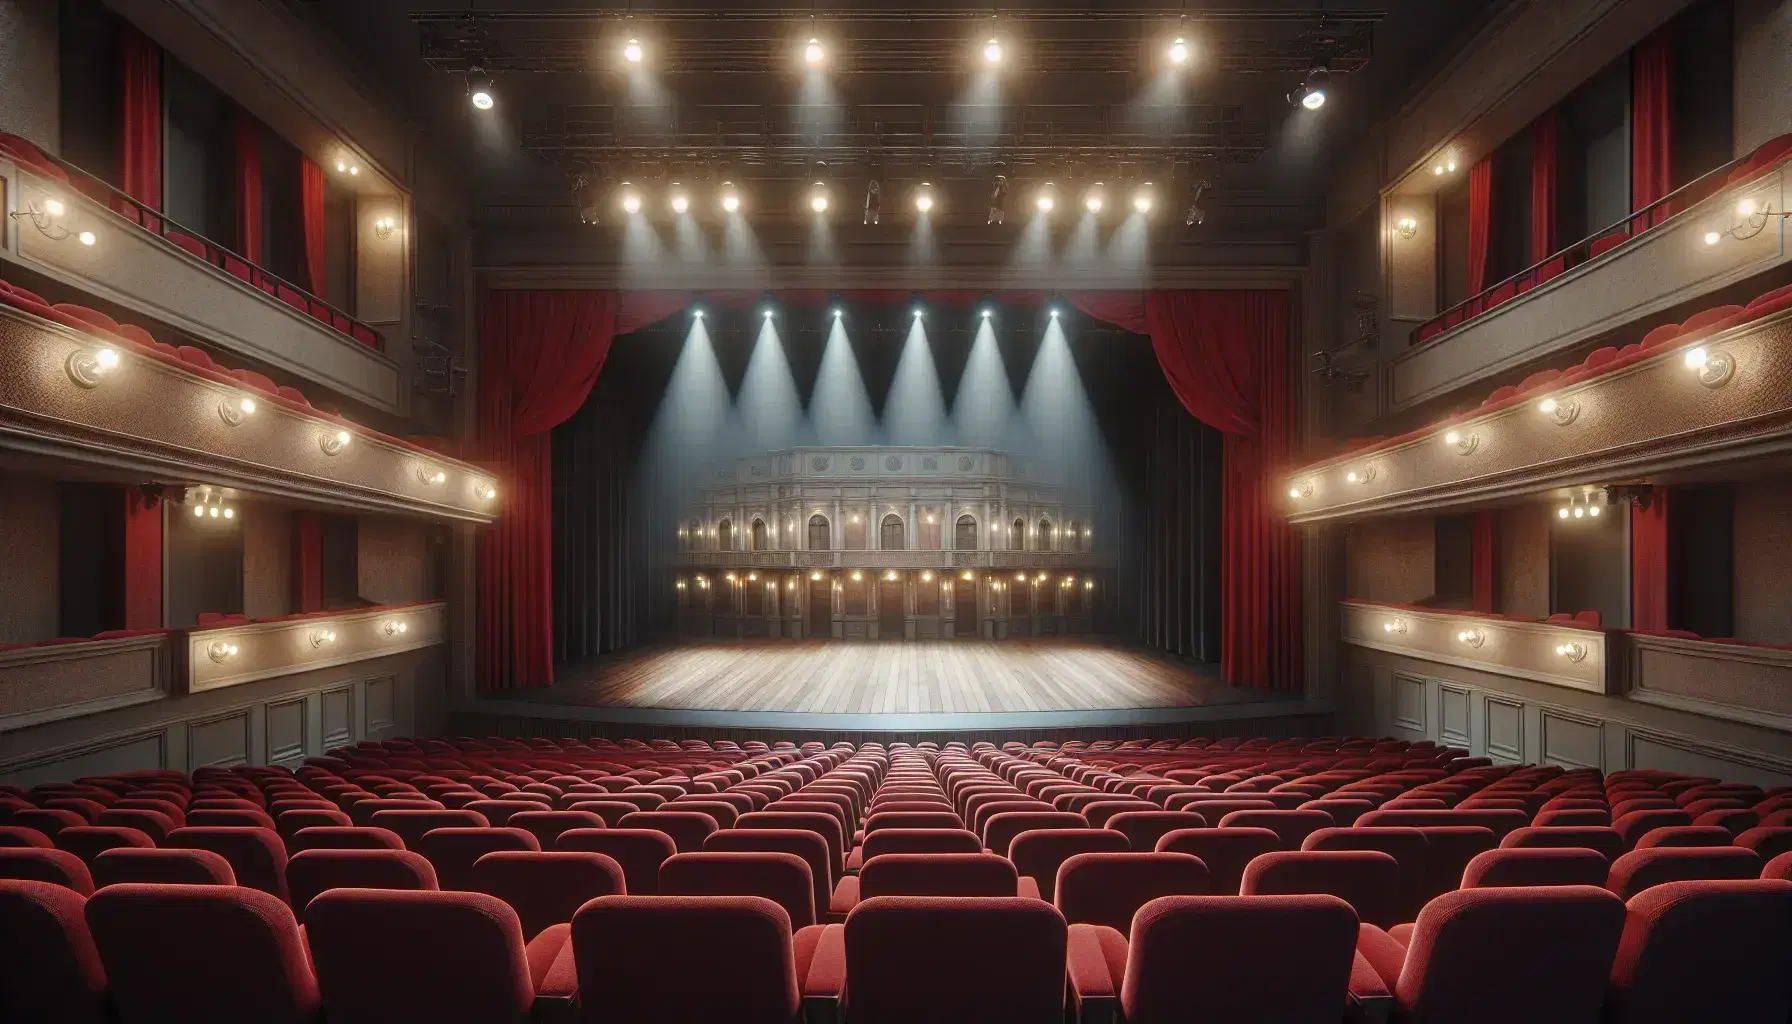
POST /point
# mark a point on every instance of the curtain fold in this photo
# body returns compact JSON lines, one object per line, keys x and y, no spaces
{"x":248,"y":186}
{"x":312,"y":197}
{"x":142,"y":562}
{"x":140,"y":117}
{"x":307,"y":562}
{"x":1651,"y":575}
{"x":1543,"y":187}
{"x":1485,"y":560}
{"x":1651,"y":126}
{"x":1480,"y":224}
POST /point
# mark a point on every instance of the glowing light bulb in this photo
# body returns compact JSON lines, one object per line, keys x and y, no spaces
{"x":924,"y":199}
{"x":1294,"y":492}
{"x":1579,"y":512}
{"x":1453,"y":437}
{"x":631,"y":203}
{"x":992,"y":52}
{"x":483,"y":100}
{"x":1547,"y":406}
{"x":813,"y":54}
{"x":54,"y":207}
{"x":730,"y":198}
{"x":1093,"y":201}
{"x":230,"y":513}
{"x":1713,"y":237}
{"x":1045,"y":202}
{"x":106,"y":359}
{"x":1697,"y":358}
{"x":1561,"y":513}
{"x":1746,"y":208}
{"x":1179,"y":51}
{"x":213,"y":511}
{"x":1593,"y":510}
{"x":818,"y":200}
{"x":199,"y":511}
{"x":86,"y":238}
{"x":680,"y":202}
{"x":246,"y":406}
{"x":632,"y":52}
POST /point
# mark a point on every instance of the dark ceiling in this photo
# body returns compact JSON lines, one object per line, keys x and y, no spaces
{"x":1084,"y":92}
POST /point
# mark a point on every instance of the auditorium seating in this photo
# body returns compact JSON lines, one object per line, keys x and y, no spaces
{"x":1383,"y":874}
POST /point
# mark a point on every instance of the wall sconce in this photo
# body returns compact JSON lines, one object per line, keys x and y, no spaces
{"x":215,"y":509}
{"x":890,"y":577}
{"x":1407,"y":227}
{"x":320,"y":637}
{"x":485,"y":490}
{"x":396,"y":627}
{"x":346,"y":167}
{"x":234,"y":410}
{"x":1574,"y":651}
{"x":967,"y":576}
{"x":1752,"y":214}
{"x":927,"y":577}
{"x":1472,"y":636}
{"x":1714,"y":369}
{"x":88,"y":367}
{"x":333,"y":444}
{"x":383,"y":226}
{"x":432,"y":477}
{"x":1561,"y":410}
{"x":1394,"y":626}
{"x":220,"y":650}
{"x":679,"y":584}
{"x":1304,"y":489}
{"x":1464,"y":443}
{"x":1088,"y":584}
{"x":1360,"y":475}
{"x":752,"y":577}
{"x":1446,"y":165}
{"x":47,"y":218}
{"x":857,"y":576}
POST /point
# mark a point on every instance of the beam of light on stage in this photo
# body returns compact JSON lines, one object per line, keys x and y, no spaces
{"x":915,"y":410}
{"x":923,"y":244}
{"x":690,"y":245}
{"x":741,"y":252}
{"x":1060,"y":420}
{"x":1083,"y":248}
{"x":819,"y":114}
{"x":978,"y":112}
{"x":1033,"y":249}
{"x":840,"y":406}
{"x":1129,"y":249}
{"x":821,"y":249}
{"x":983,"y":410}
{"x":693,"y":414}
{"x":771,"y":413}
{"x":643,"y":253}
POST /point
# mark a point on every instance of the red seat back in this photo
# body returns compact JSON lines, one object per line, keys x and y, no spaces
{"x":50,"y":970}
{"x":1368,"y":880}
{"x":58,"y":867}
{"x":174,"y":867}
{"x":630,"y":953}
{"x":1109,"y":888}
{"x":783,"y":878}
{"x":1705,"y":950}
{"x":546,"y":888}
{"x":1529,"y":865}
{"x":991,"y":960}
{"x":639,"y":851}
{"x":315,"y":871}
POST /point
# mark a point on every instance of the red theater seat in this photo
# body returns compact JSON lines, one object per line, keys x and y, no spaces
{"x":49,"y":968}
{"x":410,"y":825}
{"x":639,"y":851}
{"x":1368,"y":880}
{"x":945,"y":958}
{"x":547,"y":888}
{"x":18,"y":837}
{"x":686,"y":829}
{"x":344,"y":837}
{"x":452,"y":851}
{"x":812,"y":848}
{"x":173,"y":867}
{"x":1641,"y":869}
{"x":1225,"y":851}
{"x":1712,"y":950}
{"x":783,"y":878}
{"x":1518,"y":866}
{"x":89,"y":841}
{"x":1109,"y":888}
{"x":1037,"y":853}
{"x":257,"y":856}
{"x":58,"y":867}
{"x":315,"y":871}
{"x":150,"y":937}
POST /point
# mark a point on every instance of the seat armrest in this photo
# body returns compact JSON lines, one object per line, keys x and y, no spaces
{"x":1027,"y":886}
{"x":1402,"y":933}
{"x":1092,"y":991}
{"x":1384,"y":953}
{"x":825,"y":986}
{"x":544,"y":950}
{"x":1369,"y":999}
{"x":557,"y":989}
{"x":845,"y":897}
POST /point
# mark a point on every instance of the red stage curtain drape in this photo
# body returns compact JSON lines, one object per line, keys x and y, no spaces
{"x":1480,"y":223}
{"x":311,"y":213}
{"x":140,"y":117}
{"x":142,"y":562}
{"x":248,"y":185}
{"x":1651,"y":125}
{"x":1225,"y":354}
{"x":1651,"y":579}
{"x":1486,"y":548}
{"x":1543,"y":187}
{"x":307,"y":561}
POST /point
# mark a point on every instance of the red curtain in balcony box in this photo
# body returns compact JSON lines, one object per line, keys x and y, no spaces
{"x":1651,"y":126}
{"x":1651,"y":577}
{"x":142,"y":562}
{"x":1543,"y":187}
{"x":1485,"y":550}
{"x":140,"y":117}
{"x":307,"y":562}
{"x":1480,"y":223}
{"x":248,"y":186}
{"x":311,"y":212}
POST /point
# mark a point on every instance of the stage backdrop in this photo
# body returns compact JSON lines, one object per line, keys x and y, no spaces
{"x":1223,"y":360}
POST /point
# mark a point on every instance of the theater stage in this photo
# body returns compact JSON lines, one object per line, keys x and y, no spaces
{"x":909,"y":686}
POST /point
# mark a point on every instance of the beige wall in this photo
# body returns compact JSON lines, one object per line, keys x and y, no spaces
{"x":393,"y":559}
{"x":29,"y":522}
{"x":267,"y":561}
{"x":1763,"y":560}
{"x":1391,"y":559}
{"x":1524,"y":560}
{"x":30,"y":79}
{"x":1763,"y":71}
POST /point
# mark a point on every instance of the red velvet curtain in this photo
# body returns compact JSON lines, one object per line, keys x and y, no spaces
{"x":1651,"y":580}
{"x":308,"y":561}
{"x":1651,"y":125}
{"x":248,"y":186}
{"x":140,"y":117}
{"x":311,"y":213}
{"x":142,"y":562}
{"x":1543,"y":187}
{"x":1485,"y":569}
{"x":1480,"y":223}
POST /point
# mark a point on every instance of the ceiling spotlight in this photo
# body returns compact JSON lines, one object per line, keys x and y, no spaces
{"x":818,"y":198}
{"x":1312,"y":91}
{"x":1092,"y":200}
{"x":1054,"y":312}
{"x":874,"y":201}
{"x":697,"y":312}
{"x":813,"y":54}
{"x":1197,"y":214}
{"x":1046,"y":199}
{"x":631,"y":200}
{"x":919,"y":312}
{"x":1179,"y":51}
{"x":768,"y":313}
{"x":998,"y":197}
{"x":924,"y":198}
{"x":987,"y":312}
{"x":632,"y":51}
{"x":730,"y":198}
{"x":680,"y":202}
{"x":479,"y":90}
{"x":992,"y":51}
{"x":1142,"y":199}
{"x":838,"y":313}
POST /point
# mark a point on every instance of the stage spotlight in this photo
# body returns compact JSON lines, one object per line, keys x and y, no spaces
{"x":1312,"y":92}
{"x":696,"y":312}
{"x":919,"y":312}
{"x":768,"y":313}
{"x":1054,"y":312}
{"x":874,"y":202}
{"x":1142,"y":199}
{"x":924,"y":198}
{"x":1046,"y":199}
{"x":987,"y":313}
{"x":1197,"y":214}
{"x":818,"y":198}
{"x":479,"y":90}
{"x":1180,"y":51}
{"x":1092,"y":200}
{"x":998,"y":200}
{"x":679,"y":202}
{"x":730,"y":198}
{"x":992,"y":51}
{"x":631,"y":199}
{"x":632,"y":51}
{"x":813,"y":54}
{"x":838,"y":312}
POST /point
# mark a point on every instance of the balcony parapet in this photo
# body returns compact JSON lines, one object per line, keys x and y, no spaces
{"x":74,"y":676}
{"x":896,"y":560}
{"x":1731,"y":679}
{"x":237,"y":651}
{"x":1560,"y":653}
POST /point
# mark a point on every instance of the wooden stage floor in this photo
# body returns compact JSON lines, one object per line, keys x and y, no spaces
{"x":951,"y":679}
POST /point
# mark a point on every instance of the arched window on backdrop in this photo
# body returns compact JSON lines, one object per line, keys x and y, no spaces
{"x":966,"y":537}
{"x":758,"y":535}
{"x":892,"y":533}
{"x":820,"y":539}
{"x":855,"y":533}
{"x":725,"y":535}
{"x":1045,"y":536}
{"x":927,"y":531}
{"x":1017,"y":535}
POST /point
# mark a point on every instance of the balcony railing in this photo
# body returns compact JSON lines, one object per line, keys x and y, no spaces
{"x":1601,"y":242}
